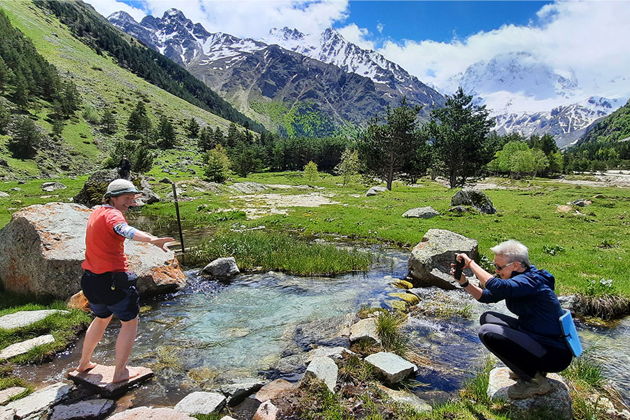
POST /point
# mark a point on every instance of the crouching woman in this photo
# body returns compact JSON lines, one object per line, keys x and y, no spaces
{"x":531,"y":344}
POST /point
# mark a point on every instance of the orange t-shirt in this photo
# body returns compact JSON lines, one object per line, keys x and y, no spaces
{"x":104,"y":248}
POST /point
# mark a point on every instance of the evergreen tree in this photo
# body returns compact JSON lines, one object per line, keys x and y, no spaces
{"x":219,"y":138}
{"x":233,"y":136}
{"x":5,"y":117}
{"x":20,"y":92}
{"x":25,"y":138}
{"x":217,"y":164}
{"x":245,"y":158}
{"x":139,"y":123}
{"x":70,"y":99}
{"x":192,"y":128}
{"x":349,"y":165}
{"x":459,"y":130}
{"x":206,"y":139}
{"x":108,"y":122}
{"x":57,"y":127}
{"x":384,"y":148}
{"x":5,"y":75}
{"x":166,"y":133}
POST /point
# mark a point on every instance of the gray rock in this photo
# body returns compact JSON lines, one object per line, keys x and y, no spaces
{"x":7,"y":413}
{"x":90,"y":409}
{"x":42,"y":248}
{"x":16,"y":189}
{"x":581,"y":203}
{"x":222,"y":268}
{"x":248,"y":187}
{"x":333,"y":352}
{"x":53,"y":186}
{"x":325,"y":370}
{"x":406,"y":397}
{"x":391,"y":366}
{"x":475,"y":198}
{"x":201,"y":402}
{"x":421,"y":213}
{"x":40,"y":400}
{"x":240,"y":390}
{"x":92,"y":192}
{"x":8,"y":393}
{"x":558,"y":399}
{"x":567,"y":301}
{"x":3,"y":194}
{"x":24,"y":318}
{"x":462,"y":209}
{"x":148,"y":413}
{"x":25,"y":346}
{"x":430,"y":261}
{"x":365,"y":329}
{"x":375,"y":190}
{"x":148,"y":195}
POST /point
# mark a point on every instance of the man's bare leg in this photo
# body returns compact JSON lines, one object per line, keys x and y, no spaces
{"x":124,"y":344}
{"x":93,"y":335}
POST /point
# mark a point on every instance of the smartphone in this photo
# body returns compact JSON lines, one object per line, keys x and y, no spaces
{"x":459,"y":267}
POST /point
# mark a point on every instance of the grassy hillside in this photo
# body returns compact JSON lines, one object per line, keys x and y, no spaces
{"x":613,"y":128}
{"x":102,"y":85}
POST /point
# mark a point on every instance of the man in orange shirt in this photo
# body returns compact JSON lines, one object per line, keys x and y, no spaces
{"x":106,"y":283}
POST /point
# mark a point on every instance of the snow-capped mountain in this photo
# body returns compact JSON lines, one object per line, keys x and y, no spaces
{"x":330,"y":47}
{"x":349,"y":85}
{"x":566,"y":123}
{"x":527,"y":96}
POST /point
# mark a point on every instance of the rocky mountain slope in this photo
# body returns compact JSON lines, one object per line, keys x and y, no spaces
{"x":334,"y":81}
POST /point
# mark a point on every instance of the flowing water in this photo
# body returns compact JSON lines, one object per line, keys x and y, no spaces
{"x":262,"y":325}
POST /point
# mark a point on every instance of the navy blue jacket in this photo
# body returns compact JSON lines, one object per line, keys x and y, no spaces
{"x":531,"y":296}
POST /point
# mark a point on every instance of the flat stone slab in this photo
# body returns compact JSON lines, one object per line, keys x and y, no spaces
{"x":100,"y":379}
{"x":149,"y":413}
{"x":393,"y":367}
{"x":7,"y":394}
{"x":6,"y":413}
{"x":24,"y":318}
{"x":558,"y":399}
{"x":334,"y":352}
{"x":39,"y":400}
{"x":201,"y":402}
{"x":90,"y":409}
{"x":25,"y":346}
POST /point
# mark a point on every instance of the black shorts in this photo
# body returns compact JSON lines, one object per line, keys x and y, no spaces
{"x":112,"y":293}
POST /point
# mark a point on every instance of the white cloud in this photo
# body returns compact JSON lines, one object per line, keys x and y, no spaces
{"x":251,"y":18}
{"x":380,"y":27}
{"x":588,"y":38}
{"x":107,"y":7}
{"x":352,"y":33}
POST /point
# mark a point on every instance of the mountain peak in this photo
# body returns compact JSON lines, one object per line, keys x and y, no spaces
{"x":121,"y":16}
{"x":286,"y":34}
{"x":174,"y":13}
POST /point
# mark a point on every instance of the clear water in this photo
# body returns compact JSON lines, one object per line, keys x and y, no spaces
{"x":209,"y":333}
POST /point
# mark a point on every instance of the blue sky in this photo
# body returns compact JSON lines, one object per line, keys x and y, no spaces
{"x":438,"y":20}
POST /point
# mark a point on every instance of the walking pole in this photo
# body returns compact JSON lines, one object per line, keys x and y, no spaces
{"x":179,"y":222}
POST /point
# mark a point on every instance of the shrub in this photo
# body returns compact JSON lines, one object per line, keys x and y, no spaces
{"x":310,"y":171}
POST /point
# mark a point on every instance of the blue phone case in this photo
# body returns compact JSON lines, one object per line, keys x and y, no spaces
{"x":570,"y":333}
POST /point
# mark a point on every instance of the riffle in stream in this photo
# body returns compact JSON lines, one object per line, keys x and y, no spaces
{"x":263,"y":324}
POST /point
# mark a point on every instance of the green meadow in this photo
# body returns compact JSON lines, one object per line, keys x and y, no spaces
{"x":585,"y":245}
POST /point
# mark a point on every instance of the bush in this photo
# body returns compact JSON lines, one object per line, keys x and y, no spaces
{"x":310,"y":171}
{"x":218,"y":165}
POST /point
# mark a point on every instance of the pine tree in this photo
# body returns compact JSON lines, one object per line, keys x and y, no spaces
{"x":206,"y":139}
{"x":233,"y":136}
{"x":166,"y":133}
{"x":5,"y":75}
{"x":219,"y":138}
{"x":245,"y":158}
{"x":139,"y":123}
{"x":20,"y":92}
{"x":217,"y":165}
{"x":108,"y":122}
{"x":70,"y":99}
{"x":25,"y":138}
{"x":192,"y":128}
{"x":459,"y":130}
{"x":5,"y":117}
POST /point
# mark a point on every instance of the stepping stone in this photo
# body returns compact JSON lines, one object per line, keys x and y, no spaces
{"x":39,"y":400}
{"x":391,"y":366}
{"x":7,"y":394}
{"x":6,"y":413}
{"x":25,"y":346}
{"x":100,"y":379}
{"x":24,"y":318}
{"x":201,"y":402}
{"x":90,"y":409}
{"x":148,"y":413}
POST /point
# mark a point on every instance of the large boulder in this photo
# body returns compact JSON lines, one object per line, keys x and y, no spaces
{"x":430,"y":261}
{"x":477,"y":199}
{"x":42,"y":248}
{"x":558,"y":399}
{"x":94,"y":188}
{"x":222,"y":268}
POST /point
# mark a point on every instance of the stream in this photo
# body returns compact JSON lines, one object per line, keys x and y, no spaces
{"x":263,"y":324}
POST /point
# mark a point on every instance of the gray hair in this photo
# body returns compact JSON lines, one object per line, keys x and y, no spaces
{"x":513,"y":250}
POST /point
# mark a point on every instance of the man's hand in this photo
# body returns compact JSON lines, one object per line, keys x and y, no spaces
{"x":161,"y":242}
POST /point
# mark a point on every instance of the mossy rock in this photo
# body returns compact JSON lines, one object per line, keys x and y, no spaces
{"x":402,"y":284}
{"x":408,"y":298}
{"x":94,"y":188}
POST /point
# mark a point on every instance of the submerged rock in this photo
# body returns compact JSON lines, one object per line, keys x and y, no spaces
{"x":42,"y":248}
{"x":430,"y":261}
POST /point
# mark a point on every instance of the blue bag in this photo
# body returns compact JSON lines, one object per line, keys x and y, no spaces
{"x":570,"y":333}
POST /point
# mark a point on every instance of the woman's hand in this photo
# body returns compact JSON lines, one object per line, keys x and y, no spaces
{"x":463,"y":257}
{"x":161,"y":242}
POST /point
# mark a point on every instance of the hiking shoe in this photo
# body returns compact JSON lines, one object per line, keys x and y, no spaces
{"x":538,"y":385}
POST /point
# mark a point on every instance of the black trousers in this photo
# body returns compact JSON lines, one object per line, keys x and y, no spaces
{"x":519,"y":351}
